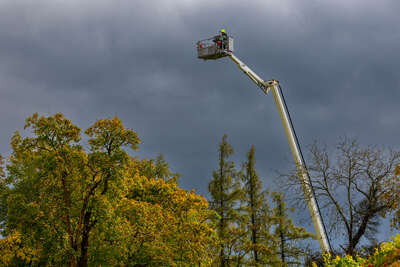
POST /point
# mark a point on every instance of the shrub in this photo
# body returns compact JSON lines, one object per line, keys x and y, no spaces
{"x":388,"y":255}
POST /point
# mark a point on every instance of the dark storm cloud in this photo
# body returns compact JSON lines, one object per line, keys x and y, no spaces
{"x":337,"y":63}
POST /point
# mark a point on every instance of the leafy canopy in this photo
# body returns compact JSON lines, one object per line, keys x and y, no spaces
{"x":63,"y":203}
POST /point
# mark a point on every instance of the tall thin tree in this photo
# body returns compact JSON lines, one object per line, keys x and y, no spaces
{"x":253,"y":201}
{"x":225,"y":193}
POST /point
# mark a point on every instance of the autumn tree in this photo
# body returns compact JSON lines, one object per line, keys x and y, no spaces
{"x":225,"y":193}
{"x":164,"y":225}
{"x":65,"y":203}
{"x":354,"y":188}
{"x":56,"y":191}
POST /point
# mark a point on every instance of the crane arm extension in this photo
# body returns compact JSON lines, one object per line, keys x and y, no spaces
{"x":251,"y":74}
{"x":302,"y":172}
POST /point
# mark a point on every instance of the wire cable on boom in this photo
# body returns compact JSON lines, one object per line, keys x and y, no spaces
{"x":305,"y":165}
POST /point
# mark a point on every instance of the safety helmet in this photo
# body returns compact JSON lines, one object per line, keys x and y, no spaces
{"x":223,"y":31}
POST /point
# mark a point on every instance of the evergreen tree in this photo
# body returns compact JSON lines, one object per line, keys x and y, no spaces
{"x":268,"y":249}
{"x":258,"y":216}
{"x":287,"y":235}
{"x":253,"y":200}
{"x":225,"y":193}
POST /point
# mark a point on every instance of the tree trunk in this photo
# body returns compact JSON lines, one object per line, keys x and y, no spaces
{"x":83,"y":259}
{"x":282,"y":246}
{"x":361,"y":230}
{"x":254,"y":237}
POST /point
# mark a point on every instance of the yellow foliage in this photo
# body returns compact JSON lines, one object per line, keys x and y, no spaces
{"x":397,"y":170}
{"x":388,"y":254}
{"x":65,"y":203}
{"x":11,"y":248}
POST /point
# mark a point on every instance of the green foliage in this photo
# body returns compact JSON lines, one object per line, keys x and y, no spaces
{"x":258,"y":242}
{"x":158,"y":169}
{"x":250,"y":233}
{"x":63,"y":205}
{"x":225,"y":193}
{"x":287,"y":235}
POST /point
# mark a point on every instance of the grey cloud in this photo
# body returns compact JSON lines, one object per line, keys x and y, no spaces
{"x":337,"y":63}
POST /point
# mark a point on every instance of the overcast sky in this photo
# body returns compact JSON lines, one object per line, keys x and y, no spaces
{"x":337,"y":62}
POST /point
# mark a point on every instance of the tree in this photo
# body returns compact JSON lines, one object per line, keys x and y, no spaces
{"x":158,"y":169}
{"x":61,"y":204}
{"x":57,"y":189}
{"x":287,"y":235}
{"x":353,"y":187}
{"x":256,"y":212}
{"x":393,"y":191}
{"x":3,"y":189}
{"x":225,"y":193}
{"x":165,"y":225}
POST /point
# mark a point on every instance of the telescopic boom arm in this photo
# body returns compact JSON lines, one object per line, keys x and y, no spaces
{"x":274,"y":86}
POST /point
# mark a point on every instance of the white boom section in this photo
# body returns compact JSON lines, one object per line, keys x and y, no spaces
{"x":273,"y":85}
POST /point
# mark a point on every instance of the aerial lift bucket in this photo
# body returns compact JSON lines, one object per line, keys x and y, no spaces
{"x":215,"y":47}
